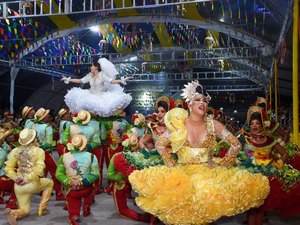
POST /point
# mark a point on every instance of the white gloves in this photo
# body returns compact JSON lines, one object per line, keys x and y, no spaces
{"x":123,"y":80}
{"x":66,"y":80}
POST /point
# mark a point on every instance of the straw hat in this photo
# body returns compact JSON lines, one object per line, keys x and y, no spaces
{"x":254,"y":109}
{"x":162,"y":99}
{"x":178,"y":103}
{"x":4,"y":134}
{"x":41,"y":114}
{"x":26,"y":110}
{"x":261,"y":100}
{"x":83,"y":116}
{"x":27,"y":136}
{"x":133,"y":139}
{"x":61,"y":112}
{"x":79,"y":141}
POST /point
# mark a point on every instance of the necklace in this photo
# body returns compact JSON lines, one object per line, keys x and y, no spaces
{"x":258,"y":138}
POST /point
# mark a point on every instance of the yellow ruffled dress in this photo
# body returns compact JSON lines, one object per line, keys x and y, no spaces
{"x":191,"y":192}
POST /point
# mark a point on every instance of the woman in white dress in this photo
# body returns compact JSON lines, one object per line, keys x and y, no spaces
{"x":105,"y":95}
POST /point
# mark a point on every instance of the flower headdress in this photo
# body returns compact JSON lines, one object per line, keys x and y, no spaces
{"x":190,"y":91}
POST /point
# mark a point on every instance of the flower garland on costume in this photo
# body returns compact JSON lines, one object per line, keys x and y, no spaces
{"x":190,"y":91}
{"x":291,"y":149}
{"x":287,"y":175}
{"x":144,"y":158}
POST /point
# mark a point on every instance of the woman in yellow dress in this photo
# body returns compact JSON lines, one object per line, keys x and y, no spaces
{"x":195,"y":188}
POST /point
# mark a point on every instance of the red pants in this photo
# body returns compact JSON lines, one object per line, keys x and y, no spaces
{"x":61,"y":149}
{"x":51,"y":168}
{"x":107,"y":154}
{"x":98,"y":153}
{"x":7,"y":184}
{"x":74,"y":199}
{"x":120,"y":198}
{"x":103,"y":157}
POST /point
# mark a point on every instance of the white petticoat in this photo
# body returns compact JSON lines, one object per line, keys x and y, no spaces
{"x":103,"y":104}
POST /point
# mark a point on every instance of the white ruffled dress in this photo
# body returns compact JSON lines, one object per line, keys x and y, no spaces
{"x":103,"y":98}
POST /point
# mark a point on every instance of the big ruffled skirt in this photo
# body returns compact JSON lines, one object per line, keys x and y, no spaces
{"x":103,"y":104}
{"x":197,"y":194}
{"x":284,"y":183}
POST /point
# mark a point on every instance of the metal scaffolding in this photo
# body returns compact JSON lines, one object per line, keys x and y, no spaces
{"x":36,"y":8}
{"x":211,"y":88}
{"x":151,"y":57}
{"x":240,"y":59}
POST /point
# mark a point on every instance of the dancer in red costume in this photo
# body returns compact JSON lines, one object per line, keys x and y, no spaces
{"x":273,"y":129}
{"x":85,"y":125}
{"x":77,"y":170}
{"x":262,"y":154}
{"x":98,"y":152}
{"x":118,"y":171}
{"x":115,"y":127}
{"x":7,"y":138}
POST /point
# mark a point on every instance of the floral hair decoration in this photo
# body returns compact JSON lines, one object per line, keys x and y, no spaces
{"x":190,"y":91}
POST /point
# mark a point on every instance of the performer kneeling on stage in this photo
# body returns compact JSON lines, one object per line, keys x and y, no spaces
{"x":25,"y":165}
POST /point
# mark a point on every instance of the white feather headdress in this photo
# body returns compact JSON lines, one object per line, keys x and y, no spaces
{"x":189,"y":92}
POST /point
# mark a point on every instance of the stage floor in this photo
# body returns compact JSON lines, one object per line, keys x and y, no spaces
{"x":104,"y":213}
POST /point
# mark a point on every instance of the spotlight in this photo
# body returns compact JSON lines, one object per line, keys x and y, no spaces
{"x":95,"y":28}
